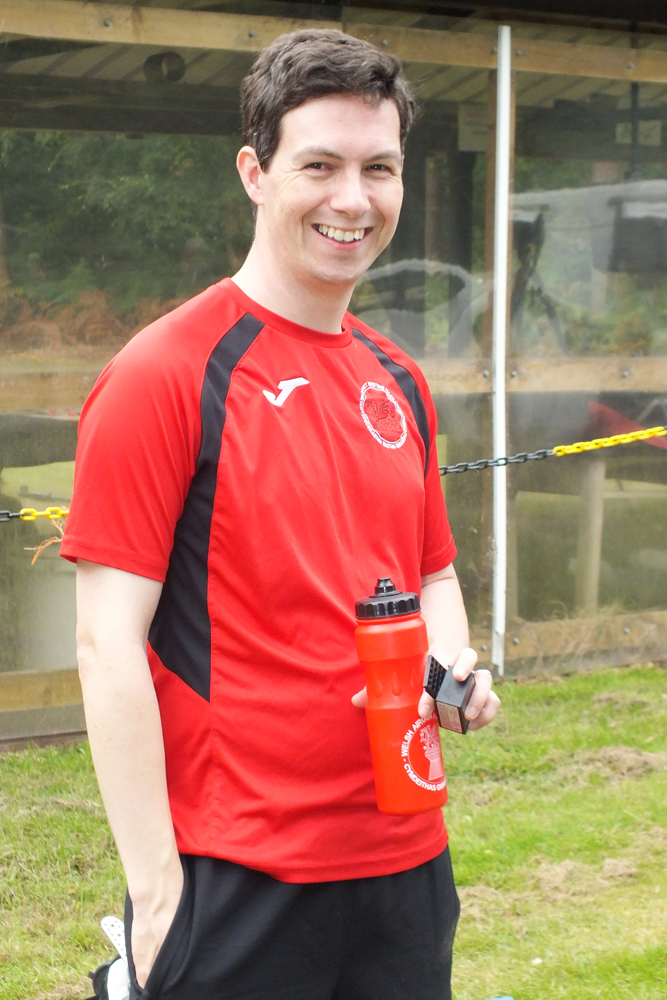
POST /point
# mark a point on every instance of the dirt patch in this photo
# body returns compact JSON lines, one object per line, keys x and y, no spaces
{"x":618,"y":699}
{"x":86,"y":805}
{"x":619,"y":868}
{"x":573,"y":879}
{"x":567,"y":878}
{"x":481,"y":903}
{"x":483,"y":793}
{"x":73,"y":992}
{"x":612,"y":764}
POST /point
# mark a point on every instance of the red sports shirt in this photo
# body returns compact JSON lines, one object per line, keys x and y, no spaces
{"x":268,"y":474}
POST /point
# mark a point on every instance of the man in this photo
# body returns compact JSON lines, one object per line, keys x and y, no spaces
{"x":236,"y":493}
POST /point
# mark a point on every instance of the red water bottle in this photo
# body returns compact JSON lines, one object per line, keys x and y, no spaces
{"x":405,"y":749}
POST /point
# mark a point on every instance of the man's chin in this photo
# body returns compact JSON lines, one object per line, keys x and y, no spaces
{"x":344,"y":275}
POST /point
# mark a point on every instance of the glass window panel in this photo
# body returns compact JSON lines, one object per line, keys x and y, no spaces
{"x":589,"y":347}
{"x":119,"y":199}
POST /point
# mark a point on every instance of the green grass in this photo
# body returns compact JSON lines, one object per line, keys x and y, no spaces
{"x":558,"y":825}
{"x":59,"y":874}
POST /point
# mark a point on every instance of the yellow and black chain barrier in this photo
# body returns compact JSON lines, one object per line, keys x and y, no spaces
{"x":557,"y":452}
{"x":30,"y":514}
{"x":56,"y":513}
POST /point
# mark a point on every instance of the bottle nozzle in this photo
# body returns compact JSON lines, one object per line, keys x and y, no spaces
{"x":387,"y":602}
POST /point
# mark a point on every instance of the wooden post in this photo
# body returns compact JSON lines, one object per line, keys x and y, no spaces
{"x":409,"y":239}
{"x":432,"y":221}
{"x":589,"y":539}
{"x":512,"y":557}
{"x":460,"y":169}
{"x":5,"y":278}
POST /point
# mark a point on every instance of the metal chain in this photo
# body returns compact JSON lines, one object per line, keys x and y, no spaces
{"x":609,"y":442}
{"x":557,"y":452}
{"x":30,"y":514}
{"x":491,"y":463}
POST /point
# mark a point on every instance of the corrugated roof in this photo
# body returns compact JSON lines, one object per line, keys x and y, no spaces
{"x":220,"y":69}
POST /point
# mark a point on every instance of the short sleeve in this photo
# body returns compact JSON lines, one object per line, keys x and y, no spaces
{"x":138,"y":441}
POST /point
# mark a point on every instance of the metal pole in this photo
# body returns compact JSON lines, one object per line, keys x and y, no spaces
{"x":500,"y":286}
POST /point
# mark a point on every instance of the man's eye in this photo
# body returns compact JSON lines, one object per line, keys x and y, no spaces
{"x":378,"y":167}
{"x":315,"y":166}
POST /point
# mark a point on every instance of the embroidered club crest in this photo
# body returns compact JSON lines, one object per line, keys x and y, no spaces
{"x":383,"y":415}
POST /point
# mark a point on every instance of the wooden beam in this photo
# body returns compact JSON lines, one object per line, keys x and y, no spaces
{"x":610,"y":374}
{"x":75,"y":20}
{"x":55,"y":91}
{"x":625,"y":637}
{"x":48,"y":387}
{"x":590,"y":375}
{"x":602,"y":61}
{"x":75,"y":117}
{"x":437,"y":48}
{"x":21,"y":690}
{"x":456,"y":375}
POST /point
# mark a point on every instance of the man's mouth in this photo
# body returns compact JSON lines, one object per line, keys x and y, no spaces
{"x":341,"y":235}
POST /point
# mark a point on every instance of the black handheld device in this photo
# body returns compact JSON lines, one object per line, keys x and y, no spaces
{"x":451,"y":696}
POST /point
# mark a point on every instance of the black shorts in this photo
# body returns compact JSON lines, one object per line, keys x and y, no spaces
{"x":239,"y":934}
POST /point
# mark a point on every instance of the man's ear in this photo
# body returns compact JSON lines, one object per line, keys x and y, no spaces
{"x":250,"y":173}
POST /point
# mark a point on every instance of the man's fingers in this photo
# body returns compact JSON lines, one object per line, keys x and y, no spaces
{"x":483,"y":682}
{"x":488,"y":713}
{"x":360,"y":698}
{"x":426,"y":706}
{"x":426,"y":703}
{"x":466,"y":662}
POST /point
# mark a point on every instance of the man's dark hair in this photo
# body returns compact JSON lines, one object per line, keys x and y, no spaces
{"x":302,"y":65}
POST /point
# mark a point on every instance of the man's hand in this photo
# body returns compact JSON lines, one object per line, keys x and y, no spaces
{"x":484,"y":703}
{"x":151,"y":920}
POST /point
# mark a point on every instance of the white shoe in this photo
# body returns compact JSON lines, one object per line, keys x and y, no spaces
{"x":118,"y":981}
{"x":112,"y":980}
{"x":118,"y":978}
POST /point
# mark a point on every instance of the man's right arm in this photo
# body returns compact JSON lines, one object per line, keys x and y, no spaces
{"x":114,"y":612}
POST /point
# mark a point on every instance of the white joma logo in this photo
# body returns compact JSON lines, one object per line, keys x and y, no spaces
{"x":287,"y":386}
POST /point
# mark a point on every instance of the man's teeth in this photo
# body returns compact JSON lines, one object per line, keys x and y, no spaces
{"x":341,"y":235}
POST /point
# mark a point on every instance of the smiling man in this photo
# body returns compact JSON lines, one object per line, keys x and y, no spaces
{"x":267,"y":457}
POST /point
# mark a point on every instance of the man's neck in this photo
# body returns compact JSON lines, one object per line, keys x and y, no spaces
{"x":273,"y":287}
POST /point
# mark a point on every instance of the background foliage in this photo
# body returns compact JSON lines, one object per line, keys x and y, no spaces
{"x":149,"y":218}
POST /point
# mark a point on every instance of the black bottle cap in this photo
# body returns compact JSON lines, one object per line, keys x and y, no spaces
{"x":387,"y":602}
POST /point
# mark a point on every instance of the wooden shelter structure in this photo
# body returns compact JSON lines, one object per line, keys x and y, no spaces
{"x":589,"y":86}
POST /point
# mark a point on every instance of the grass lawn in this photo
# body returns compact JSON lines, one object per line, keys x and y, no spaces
{"x":558,"y":823}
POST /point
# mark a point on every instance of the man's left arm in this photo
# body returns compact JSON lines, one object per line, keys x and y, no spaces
{"x":449,"y":642}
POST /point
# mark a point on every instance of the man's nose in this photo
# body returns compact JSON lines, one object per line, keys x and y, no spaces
{"x":349,"y":196}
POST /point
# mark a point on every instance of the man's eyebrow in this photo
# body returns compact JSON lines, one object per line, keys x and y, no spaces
{"x":308,"y":151}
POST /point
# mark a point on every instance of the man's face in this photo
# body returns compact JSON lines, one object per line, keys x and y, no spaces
{"x":331,"y":196}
